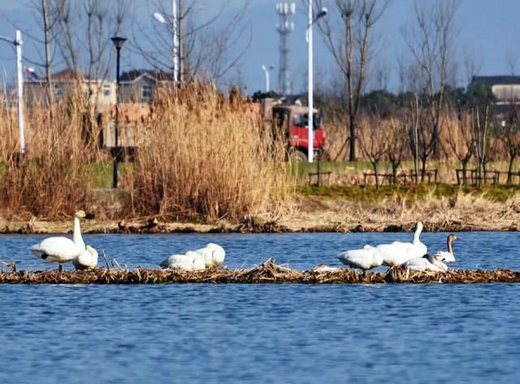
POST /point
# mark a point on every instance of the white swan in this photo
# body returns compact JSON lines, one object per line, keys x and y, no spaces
{"x":190,"y":261}
{"x":397,"y":252}
{"x":214,"y":255}
{"x":87,"y":260}
{"x":366,"y":258}
{"x":61,"y":249}
{"x":426,"y":263}
{"x":448,"y":257}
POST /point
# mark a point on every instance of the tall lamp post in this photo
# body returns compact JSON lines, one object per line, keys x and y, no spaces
{"x":175,"y":31}
{"x":266,"y":71}
{"x":118,"y":43}
{"x":310,"y":113}
{"x":19,"y":74}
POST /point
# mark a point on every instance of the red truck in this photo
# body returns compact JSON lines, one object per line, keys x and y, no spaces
{"x":292,"y":120}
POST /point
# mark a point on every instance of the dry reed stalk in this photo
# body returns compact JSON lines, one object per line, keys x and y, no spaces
{"x":266,"y":273}
{"x":52,"y":179}
{"x":206,"y":158}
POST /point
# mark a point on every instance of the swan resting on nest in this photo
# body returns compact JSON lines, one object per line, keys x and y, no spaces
{"x":449,"y":256}
{"x":190,"y":261}
{"x":366,"y":258}
{"x":398,"y":253}
{"x":426,"y":263}
{"x":87,"y":260}
{"x":62,"y":249}
{"x":392,"y":254}
{"x":213,"y":254}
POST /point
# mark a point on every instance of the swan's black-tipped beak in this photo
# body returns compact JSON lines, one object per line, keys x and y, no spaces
{"x":90,"y":216}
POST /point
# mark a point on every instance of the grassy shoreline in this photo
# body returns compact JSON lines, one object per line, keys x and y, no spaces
{"x":441,"y":207}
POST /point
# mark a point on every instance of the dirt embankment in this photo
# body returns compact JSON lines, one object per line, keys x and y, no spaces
{"x":312,"y":214}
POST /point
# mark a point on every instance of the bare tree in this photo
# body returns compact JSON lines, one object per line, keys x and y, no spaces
{"x":397,"y":141}
{"x":47,"y":27}
{"x":351,"y":47}
{"x":373,"y":139}
{"x":509,"y":134}
{"x":431,"y":42}
{"x":205,"y":44}
{"x":80,"y":32}
{"x":482,"y":138}
{"x":461,"y":139}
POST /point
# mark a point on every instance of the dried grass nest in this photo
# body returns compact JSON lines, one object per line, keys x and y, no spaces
{"x":266,"y":273}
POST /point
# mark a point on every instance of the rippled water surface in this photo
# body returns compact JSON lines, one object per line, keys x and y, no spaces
{"x":263,"y":333}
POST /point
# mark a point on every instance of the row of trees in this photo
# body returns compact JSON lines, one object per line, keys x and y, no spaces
{"x":426,"y":73}
{"x":393,"y":128}
{"x":75,"y":34}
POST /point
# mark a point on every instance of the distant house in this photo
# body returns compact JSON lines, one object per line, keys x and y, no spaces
{"x":65,"y":83}
{"x":506,"y":89}
{"x":138,"y":86}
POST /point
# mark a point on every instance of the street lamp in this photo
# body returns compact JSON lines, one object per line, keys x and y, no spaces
{"x":266,"y":71}
{"x":21,"y":120}
{"x":310,"y":113}
{"x":118,"y":43}
{"x":160,"y":18}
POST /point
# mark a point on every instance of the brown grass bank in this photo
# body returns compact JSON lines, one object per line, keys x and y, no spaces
{"x":322,"y":214}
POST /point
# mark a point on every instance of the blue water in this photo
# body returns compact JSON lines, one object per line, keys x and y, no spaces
{"x":263,"y":333}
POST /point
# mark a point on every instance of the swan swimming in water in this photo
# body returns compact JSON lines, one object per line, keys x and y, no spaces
{"x":397,"y":252}
{"x":190,"y":261}
{"x":62,"y":249}
{"x":366,"y":258}
{"x":426,"y":263}
{"x":87,"y":260}
{"x":449,"y":256}
{"x":213,"y":254}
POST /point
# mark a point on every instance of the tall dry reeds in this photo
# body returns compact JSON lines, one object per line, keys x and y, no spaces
{"x":53,"y":178}
{"x":202,"y":156}
{"x":206,"y":157}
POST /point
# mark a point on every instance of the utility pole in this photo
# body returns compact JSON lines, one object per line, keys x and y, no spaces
{"x":284,"y":28}
{"x":19,"y":75}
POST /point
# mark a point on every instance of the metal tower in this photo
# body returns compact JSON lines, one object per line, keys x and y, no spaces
{"x":284,"y":27}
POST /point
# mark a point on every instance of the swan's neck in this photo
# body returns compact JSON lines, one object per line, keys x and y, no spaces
{"x":416,"y":236}
{"x":78,"y":240}
{"x":450,"y":245}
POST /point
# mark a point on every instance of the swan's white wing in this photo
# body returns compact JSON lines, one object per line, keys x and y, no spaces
{"x":421,"y":264}
{"x":56,"y":250}
{"x":173,"y":261}
{"x":185,"y":262}
{"x":394,"y":254}
{"x":207,"y":253}
{"x":198,"y":263}
{"x":445,"y":256}
{"x":366,"y":258}
{"x":399,"y":244}
{"x":87,"y":260}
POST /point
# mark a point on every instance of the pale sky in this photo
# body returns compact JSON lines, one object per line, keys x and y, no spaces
{"x":489,"y":32}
